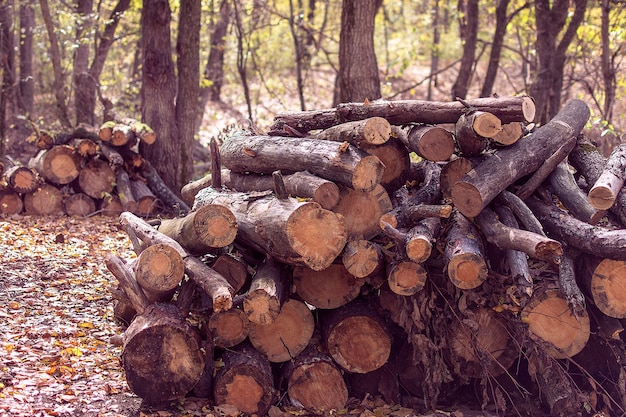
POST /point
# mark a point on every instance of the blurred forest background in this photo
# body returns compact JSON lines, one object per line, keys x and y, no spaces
{"x":193,"y":69}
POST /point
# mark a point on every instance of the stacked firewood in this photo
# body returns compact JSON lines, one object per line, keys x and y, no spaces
{"x":85,"y":172}
{"x":431,"y":253}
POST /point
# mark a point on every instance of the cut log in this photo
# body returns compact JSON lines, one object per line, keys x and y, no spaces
{"x":431,"y":142}
{"x":141,"y":130}
{"x":552,"y":322}
{"x":21,"y":179}
{"x":360,"y":133}
{"x":421,"y":238}
{"x":406,"y":277}
{"x":595,"y":240}
{"x":146,"y":202}
{"x":331,"y":288}
{"x":96,"y":179}
{"x":361,"y":257}
{"x":79,"y":204}
{"x":479,"y":187}
{"x":135,"y":297}
{"x":406,"y":215}
{"x":111,"y":206}
{"x":245,"y":381}
{"x":46,"y":199}
{"x":564,"y":186}
{"x":162,"y":358}
{"x":481,"y":345}
{"x":116,"y":160}
{"x":159,"y":269}
{"x":567,"y":281}
{"x":84,"y":147}
{"x":287,"y":336}
{"x":401,"y":112}
{"x":362,"y":210}
{"x":233,"y":269}
{"x":210,"y":226}
{"x":314,"y":382}
{"x":59,"y":165}
{"x":168,"y":198}
{"x":267,"y":293}
{"x":395,"y":157}
{"x":508,"y":238}
{"x":229,"y":328}
{"x":125,"y":191}
{"x":464,"y":254}
{"x":604,"y":192}
{"x":473,"y":129}
{"x":356,"y":338}
{"x":10,"y":201}
{"x":453,"y":171}
{"x":510,"y":133}
{"x":106,"y":131}
{"x":122,"y":135}
{"x":213,"y":284}
{"x":293,"y":232}
{"x":347,"y":165}
{"x":605,"y":281}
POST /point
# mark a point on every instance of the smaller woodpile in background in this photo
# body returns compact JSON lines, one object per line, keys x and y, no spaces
{"x":320,"y":262}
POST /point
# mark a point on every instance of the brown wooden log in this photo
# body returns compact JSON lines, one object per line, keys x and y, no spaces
{"x":431,"y":142}
{"x":362,"y":210}
{"x":604,"y":280}
{"x":464,"y":254}
{"x":168,"y":198}
{"x":293,"y":232}
{"x":111,"y":206}
{"x":21,"y":179}
{"x":245,"y":382}
{"x":105,"y":131}
{"x":159,"y":269}
{"x":347,"y":165}
{"x":564,"y":186}
{"x":356,"y":338}
{"x":10,"y":201}
{"x":213,"y":284}
{"x":395,"y":157}
{"x":407,"y":215}
{"x":481,"y":344}
{"x":589,"y":162}
{"x":552,"y":322}
{"x":595,"y":240}
{"x":210,"y":226}
{"x":267,"y":293}
{"x":472,"y":130}
{"x":122,"y":135}
{"x":112,"y":155}
{"x":287,"y":336}
{"x":147,"y":203}
{"x":135,"y":297}
{"x":361,"y":257}
{"x":509,"y":134}
{"x":360,"y":133}
{"x":46,"y":199}
{"x":421,"y":238}
{"x":124,"y":190}
{"x":603,"y":193}
{"x":401,"y":112}
{"x":453,"y":171}
{"x":406,"y":277}
{"x":162,"y":356}
{"x":233,"y":269}
{"x":479,"y":187}
{"x":59,"y":165}
{"x":505,"y":238}
{"x":331,"y":288}
{"x":314,"y":382}
{"x":229,"y":328}
{"x":79,"y":204}
{"x":141,"y":130}
{"x":84,"y":147}
{"x":96,"y":179}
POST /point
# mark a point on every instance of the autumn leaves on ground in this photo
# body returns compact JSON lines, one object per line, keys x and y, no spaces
{"x":55,"y":355}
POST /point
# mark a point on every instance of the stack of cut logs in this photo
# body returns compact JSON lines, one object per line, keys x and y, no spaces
{"x":435,"y":254}
{"x":85,"y":172}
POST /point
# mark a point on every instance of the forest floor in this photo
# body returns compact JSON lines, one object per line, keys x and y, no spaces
{"x":56,"y":358}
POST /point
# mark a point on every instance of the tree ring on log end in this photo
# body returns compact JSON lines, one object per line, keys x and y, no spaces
{"x":551,"y":320}
{"x":216,"y":225}
{"x":368,"y":173}
{"x":317,"y":235}
{"x":467,"y":271}
{"x":467,"y":199}
{"x":608,"y":287}
{"x":159,"y":268}
{"x":317,"y":385}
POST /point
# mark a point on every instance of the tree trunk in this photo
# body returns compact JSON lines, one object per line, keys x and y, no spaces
{"x":214,"y":68}
{"x":59,"y":165}
{"x":476,"y":189}
{"x":468,"y":28}
{"x":81,"y":77}
{"x":358,"y":68}
{"x":26,"y":79}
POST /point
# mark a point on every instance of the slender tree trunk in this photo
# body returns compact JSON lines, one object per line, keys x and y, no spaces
{"x":188,"y":48}
{"x":84,"y":9}
{"x":214,"y":69}
{"x":7,"y":60}
{"x":158,"y":92}
{"x":608,"y":68}
{"x":27,"y":82}
{"x":358,"y":68}
{"x":497,"y":43}
{"x":55,"y":57}
{"x":469,"y":35}
{"x":295,"y":17}
{"x":241,"y":58}
{"x":434,"y":52}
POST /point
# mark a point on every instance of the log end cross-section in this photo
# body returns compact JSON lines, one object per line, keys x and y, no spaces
{"x":608,"y":287}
